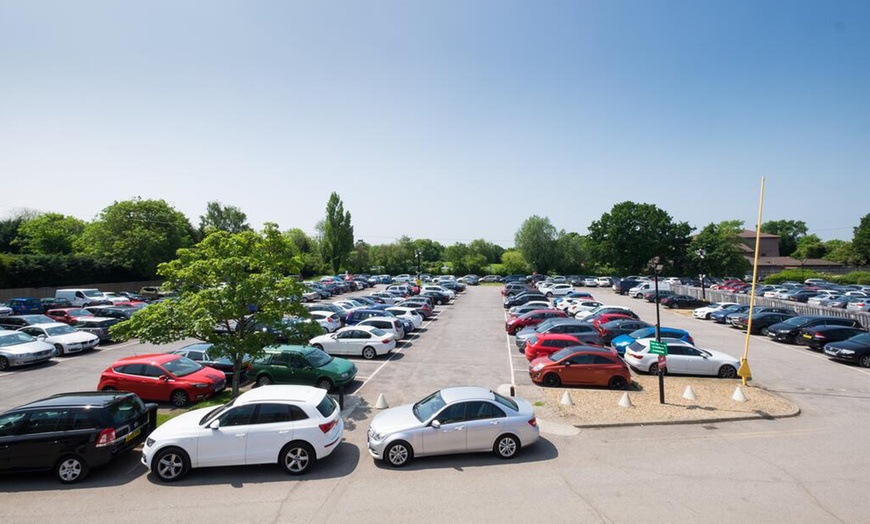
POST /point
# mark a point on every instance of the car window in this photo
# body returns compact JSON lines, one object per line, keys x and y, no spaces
{"x":81,"y":420}
{"x":601,"y":359}
{"x":126,"y":409}
{"x":194,"y":355}
{"x":453,"y":413}
{"x":278,"y":359}
{"x":480,"y":410}
{"x":582,"y":359}
{"x":272,"y":413}
{"x":44,"y":421}
{"x":297,"y":362}
{"x":326,"y":406}
{"x":237,"y":416}
{"x":130,"y":369}
{"x":10,"y":423}
{"x":151,"y":371}
{"x":677,"y":350}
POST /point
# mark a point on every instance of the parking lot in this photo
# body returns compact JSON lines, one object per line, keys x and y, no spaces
{"x":804,"y":469}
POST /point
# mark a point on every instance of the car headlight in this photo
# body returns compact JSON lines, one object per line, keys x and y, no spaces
{"x":200,"y":386}
{"x":345,"y":375}
{"x":376,"y":436}
{"x":847,"y":352}
{"x":538,"y":367}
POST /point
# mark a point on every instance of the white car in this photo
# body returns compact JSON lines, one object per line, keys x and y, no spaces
{"x":356,"y":340}
{"x":292,"y":426}
{"x":705,"y":311}
{"x":580,"y":315}
{"x":20,"y":349}
{"x":604,"y":281}
{"x":531,"y":305}
{"x":328,"y":320}
{"x":557,"y":290}
{"x":683,"y":358}
{"x":5,"y":311}
{"x":389,"y":324}
{"x":63,"y":337}
{"x":408,"y":313}
{"x":581,"y":306}
{"x":590,"y":282}
{"x":115,"y":297}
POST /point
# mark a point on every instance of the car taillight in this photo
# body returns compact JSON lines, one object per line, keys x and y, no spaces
{"x":602,"y":331}
{"x":818,"y":335}
{"x":533,"y":422}
{"x":328,"y":426}
{"x":385,"y":341}
{"x":106,"y":437}
{"x":690,"y":340}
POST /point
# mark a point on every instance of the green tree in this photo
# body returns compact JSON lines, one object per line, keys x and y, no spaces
{"x":572,"y":249}
{"x":492,"y":252}
{"x":49,"y":234}
{"x":789,"y":232}
{"x":536,"y":240}
{"x":337,"y":241}
{"x":632,"y":234}
{"x":238,"y":282}
{"x":360,"y":259}
{"x":219,"y":217}
{"x":861,"y":241}
{"x":137,"y":234}
{"x":9,"y":228}
{"x":809,"y":246}
{"x":839,"y":251}
{"x":723,"y":254}
{"x":513,"y":263}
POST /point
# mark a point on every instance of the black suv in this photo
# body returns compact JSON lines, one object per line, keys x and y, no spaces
{"x":70,"y":433}
{"x":14,"y":322}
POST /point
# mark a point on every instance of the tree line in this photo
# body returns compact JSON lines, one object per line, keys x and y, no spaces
{"x":129,"y":239}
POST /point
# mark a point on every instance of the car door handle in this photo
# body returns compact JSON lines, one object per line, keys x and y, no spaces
{"x":460,"y":428}
{"x":284,"y":432}
{"x":240,"y":435}
{"x":494,"y":423}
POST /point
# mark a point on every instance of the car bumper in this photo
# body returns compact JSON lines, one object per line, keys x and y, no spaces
{"x":839,"y":355}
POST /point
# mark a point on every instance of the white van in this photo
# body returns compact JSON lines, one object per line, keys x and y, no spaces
{"x":644,"y":287}
{"x":83,"y":297}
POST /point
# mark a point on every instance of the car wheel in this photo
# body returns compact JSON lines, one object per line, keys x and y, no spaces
{"x":506,"y":446}
{"x":369,"y":353}
{"x":179,"y":398}
{"x":707,"y":316}
{"x":653,"y":369}
{"x":4,"y":363}
{"x":264,"y":380}
{"x":109,"y":388}
{"x":549,"y":295}
{"x":60,"y":351}
{"x":324,"y":383}
{"x":297,"y":458}
{"x":727,"y":372}
{"x":318,"y":346}
{"x":617,"y":382}
{"x":70,"y":469}
{"x":398,"y":454}
{"x":552,"y":380}
{"x":764,"y":331}
{"x":170,"y":464}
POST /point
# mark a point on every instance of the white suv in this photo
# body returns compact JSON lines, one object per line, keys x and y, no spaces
{"x":293,"y":426}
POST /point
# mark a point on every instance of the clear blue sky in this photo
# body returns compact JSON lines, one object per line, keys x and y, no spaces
{"x":450,"y":120}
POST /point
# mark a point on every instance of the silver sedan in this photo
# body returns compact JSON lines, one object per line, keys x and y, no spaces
{"x":453,"y":420}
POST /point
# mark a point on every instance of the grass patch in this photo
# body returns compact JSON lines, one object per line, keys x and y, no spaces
{"x":538,"y":404}
{"x":218,"y":400}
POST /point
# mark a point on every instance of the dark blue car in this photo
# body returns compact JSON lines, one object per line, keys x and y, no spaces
{"x":623,"y":341}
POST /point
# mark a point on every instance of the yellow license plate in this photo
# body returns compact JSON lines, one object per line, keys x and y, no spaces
{"x":807,"y":336}
{"x":133,"y":435}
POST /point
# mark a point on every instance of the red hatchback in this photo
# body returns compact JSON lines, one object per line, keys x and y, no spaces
{"x":531,"y":318}
{"x":587,"y":366}
{"x":68,"y":315}
{"x":548,"y":343}
{"x":163,"y":377}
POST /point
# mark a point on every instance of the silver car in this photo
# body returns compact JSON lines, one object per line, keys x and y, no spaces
{"x":20,"y":349}
{"x":453,"y":420}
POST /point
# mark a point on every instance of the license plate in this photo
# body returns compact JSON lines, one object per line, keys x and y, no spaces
{"x":133,"y":435}
{"x":807,"y":336}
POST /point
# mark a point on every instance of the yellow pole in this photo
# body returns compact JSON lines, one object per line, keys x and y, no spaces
{"x":744,"y":371}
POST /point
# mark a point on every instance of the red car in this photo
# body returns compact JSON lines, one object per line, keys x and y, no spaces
{"x":163,"y":377}
{"x":530,"y":319}
{"x":549,"y":343}
{"x":68,"y":315}
{"x":604,"y":318}
{"x":588,"y":366}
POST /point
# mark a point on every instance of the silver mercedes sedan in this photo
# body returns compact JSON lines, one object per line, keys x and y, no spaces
{"x":453,"y":420}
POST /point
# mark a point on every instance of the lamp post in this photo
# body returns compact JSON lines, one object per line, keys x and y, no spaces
{"x":655,"y":265}
{"x":417,"y":255}
{"x":701,"y":254}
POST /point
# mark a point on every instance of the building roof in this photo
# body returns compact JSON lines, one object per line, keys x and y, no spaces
{"x":746,"y":233}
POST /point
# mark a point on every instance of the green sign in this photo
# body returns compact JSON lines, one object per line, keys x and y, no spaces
{"x":658,"y":348}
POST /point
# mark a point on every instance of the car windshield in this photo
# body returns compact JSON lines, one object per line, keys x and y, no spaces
{"x":181,"y":366}
{"x":13,"y":339}
{"x":796,"y":321}
{"x":59,"y":330}
{"x":318,"y":358}
{"x":377,"y":332}
{"x":79,"y":313}
{"x":427,"y":407}
{"x":559,"y":355}
{"x":861,"y":339}
{"x":93,"y":293}
{"x":642,"y":333}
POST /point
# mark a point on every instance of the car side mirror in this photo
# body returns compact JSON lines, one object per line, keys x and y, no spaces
{"x":436,"y":424}
{"x":215,"y":424}
{"x":164,"y":378}
{"x":40,"y":337}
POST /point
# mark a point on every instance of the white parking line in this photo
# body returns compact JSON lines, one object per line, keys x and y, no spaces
{"x":392,"y":355}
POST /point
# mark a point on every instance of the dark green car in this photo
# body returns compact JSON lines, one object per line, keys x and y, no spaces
{"x":302,"y":365}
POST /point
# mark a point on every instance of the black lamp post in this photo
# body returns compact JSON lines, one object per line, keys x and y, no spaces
{"x":701,"y":254}
{"x":417,"y":255}
{"x":655,"y":265}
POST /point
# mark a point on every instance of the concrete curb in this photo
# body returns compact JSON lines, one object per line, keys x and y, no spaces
{"x":712,"y":420}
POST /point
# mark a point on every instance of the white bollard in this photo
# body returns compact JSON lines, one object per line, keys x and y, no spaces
{"x":738,"y":395}
{"x":566,"y":400}
{"x":625,"y":401}
{"x":382,"y":402}
{"x":689,"y":394}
